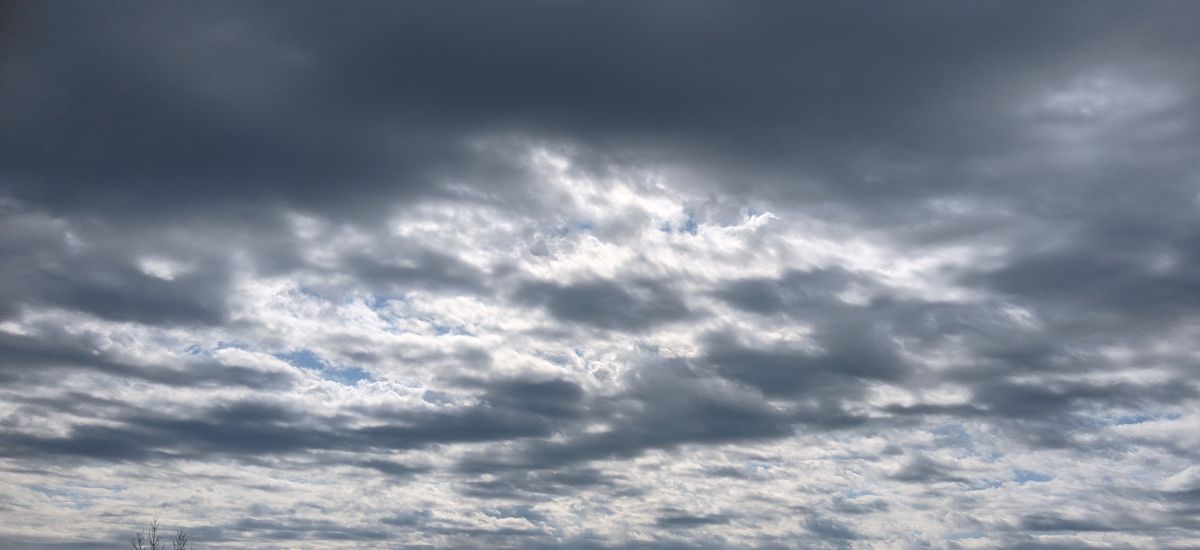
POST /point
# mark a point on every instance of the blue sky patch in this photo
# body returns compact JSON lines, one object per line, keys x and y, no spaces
{"x":1026,"y":476}
{"x":308,"y":360}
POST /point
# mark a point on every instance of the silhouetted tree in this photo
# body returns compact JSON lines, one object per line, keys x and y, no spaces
{"x":150,"y":539}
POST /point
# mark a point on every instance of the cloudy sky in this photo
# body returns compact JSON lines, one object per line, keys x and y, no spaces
{"x":611,"y":275}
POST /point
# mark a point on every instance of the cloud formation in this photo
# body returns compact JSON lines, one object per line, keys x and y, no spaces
{"x":611,"y":276}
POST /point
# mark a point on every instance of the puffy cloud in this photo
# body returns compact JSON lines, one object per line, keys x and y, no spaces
{"x":600,"y":276}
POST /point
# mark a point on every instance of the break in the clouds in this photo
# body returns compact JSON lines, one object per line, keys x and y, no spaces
{"x":600,"y":275}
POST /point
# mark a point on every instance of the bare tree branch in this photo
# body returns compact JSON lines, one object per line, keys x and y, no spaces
{"x":151,"y":539}
{"x":180,"y":542}
{"x":154,"y":539}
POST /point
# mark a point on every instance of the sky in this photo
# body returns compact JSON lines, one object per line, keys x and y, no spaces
{"x":600,"y":275}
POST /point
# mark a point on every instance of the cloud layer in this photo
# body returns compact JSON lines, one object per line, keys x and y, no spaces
{"x":612,"y":275}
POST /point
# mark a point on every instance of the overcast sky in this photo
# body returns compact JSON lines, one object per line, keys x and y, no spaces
{"x":608,"y":275}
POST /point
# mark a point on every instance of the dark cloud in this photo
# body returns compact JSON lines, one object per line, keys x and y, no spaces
{"x":804,"y":241}
{"x":392,"y":468}
{"x":1121,"y":284}
{"x":520,"y":483}
{"x":665,"y":405}
{"x":796,"y":292}
{"x":551,"y":398}
{"x":293,"y":530}
{"x":924,"y":470}
{"x":835,"y":371}
{"x":1055,"y":522}
{"x":859,"y":506}
{"x":674,"y":519}
{"x":41,"y":359}
{"x":420,"y":269}
{"x":1047,"y":399}
{"x":607,"y":304}
{"x":249,"y":430}
{"x":830,"y":529}
{"x":280,"y":107}
{"x":95,"y":269}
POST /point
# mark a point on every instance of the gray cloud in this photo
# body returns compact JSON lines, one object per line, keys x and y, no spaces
{"x":622,"y":275}
{"x":676,"y":520}
{"x":39,"y":360}
{"x":796,"y":292}
{"x":607,"y":304}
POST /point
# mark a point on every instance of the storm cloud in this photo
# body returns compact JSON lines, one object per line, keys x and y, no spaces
{"x":605,"y":275}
